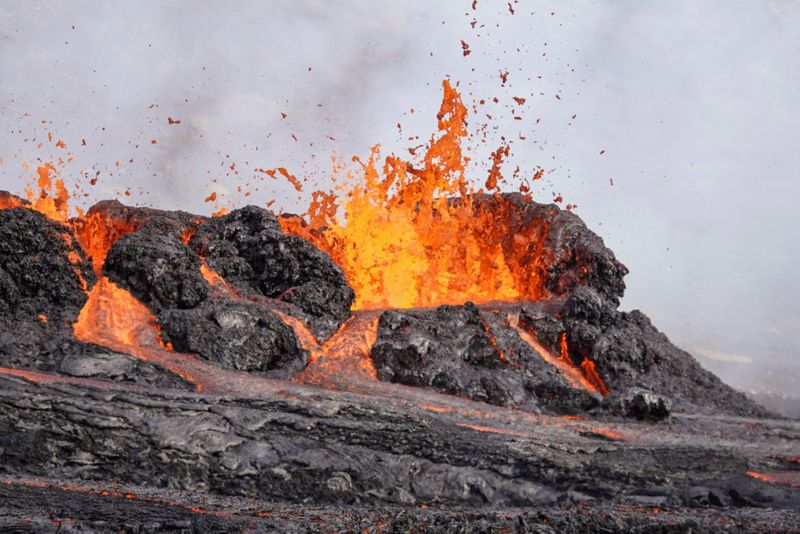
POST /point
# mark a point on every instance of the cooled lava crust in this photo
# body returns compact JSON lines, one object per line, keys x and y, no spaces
{"x":164,"y":371}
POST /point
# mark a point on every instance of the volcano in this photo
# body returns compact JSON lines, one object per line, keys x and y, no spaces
{"x":445,"y":358}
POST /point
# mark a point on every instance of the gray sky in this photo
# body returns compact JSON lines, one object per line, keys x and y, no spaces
{"x":694,"y":104}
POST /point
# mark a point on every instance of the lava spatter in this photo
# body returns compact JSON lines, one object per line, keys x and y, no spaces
{"x":415,"y":234}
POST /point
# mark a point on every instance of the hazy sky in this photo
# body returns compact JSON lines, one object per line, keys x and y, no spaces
{"x":694,"y":104}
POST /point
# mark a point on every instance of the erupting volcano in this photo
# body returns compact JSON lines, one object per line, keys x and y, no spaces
{"x":413,"y":340}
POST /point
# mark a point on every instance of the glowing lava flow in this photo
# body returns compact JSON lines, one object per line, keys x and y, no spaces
{"x":345,"y":355}
{"x":785,"y":478}
{"x":112,"y":491}
{"x":8,"y":202}
{"x":563,"y":363}
{"x":422,"y":236}
{"x":113,"y":318}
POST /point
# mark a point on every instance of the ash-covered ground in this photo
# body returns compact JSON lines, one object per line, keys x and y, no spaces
{"x":162,"y":371}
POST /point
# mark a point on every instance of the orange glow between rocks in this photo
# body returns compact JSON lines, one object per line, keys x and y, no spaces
{"x":563,"y":363}
{"x":114,"y":318}
{"x":785,"y":478}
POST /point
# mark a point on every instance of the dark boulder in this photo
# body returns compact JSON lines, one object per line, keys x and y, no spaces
{"x":157,"y":269}
{"x":639,"y":404}
{"x":235,"y":334}
{"x":472,"y":353}
{"x":42,"y":270}
{"x":250,"y":251}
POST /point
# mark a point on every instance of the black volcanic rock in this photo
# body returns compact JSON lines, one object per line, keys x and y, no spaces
{"x":466,"y":352}
{"x":449,"y":349}
{"x":42,"y":271}
{"x":248,"y":249}
{"x":40,"y":268}
{"x":640,"y":404}
{"x":235,"y":334}
{"x":157,"y":269}
{"x":629,"y":352}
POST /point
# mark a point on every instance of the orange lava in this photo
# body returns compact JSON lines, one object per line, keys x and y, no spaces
{"x":608,"y":433}
{"x":97,"y":231}
{"x":563,"y":363}
{"x":215,"y":279}
{"x":110,"y":492}
{"x":419,"y":235}
{"x":51,"y":197}
{"x":31,"y":376}
{"x":345,"y":355}
{"x":492,"y":430}
{"x":437,"y":409}
{"x":113,"y":318}
{"x":784,"y":478}
{"x":8,"y":202}
{"x":587,"y":366}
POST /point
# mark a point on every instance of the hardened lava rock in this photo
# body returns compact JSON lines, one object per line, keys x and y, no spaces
{"x":164,"y":274}
{"x":639,"y":404}
{"x":235,"y":334}
{"x":248,"y":248}
{"x":466,"y":352}
{"x":629,"y":352}
{"x":157,"y":269}
{"x":42,"y":272}
{"x":41,"y":268}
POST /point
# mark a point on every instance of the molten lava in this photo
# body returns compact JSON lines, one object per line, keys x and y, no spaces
{"x":113,"y":318}
{"x":51,"y":197}
{"x":572,"y":374}
{"x":346,"y":355}
{"x":97,"y":231}
{"x":786,"y":478}
{"x":420,"y":235}
{"x":8,"y":202}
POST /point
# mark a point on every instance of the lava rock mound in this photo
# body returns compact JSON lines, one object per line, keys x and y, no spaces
{"x":154,"y":264}
{"x":235,"y":334}
{"x":473,"y":353}
{"x":250,"y":251}
{"x":44,"y":279}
